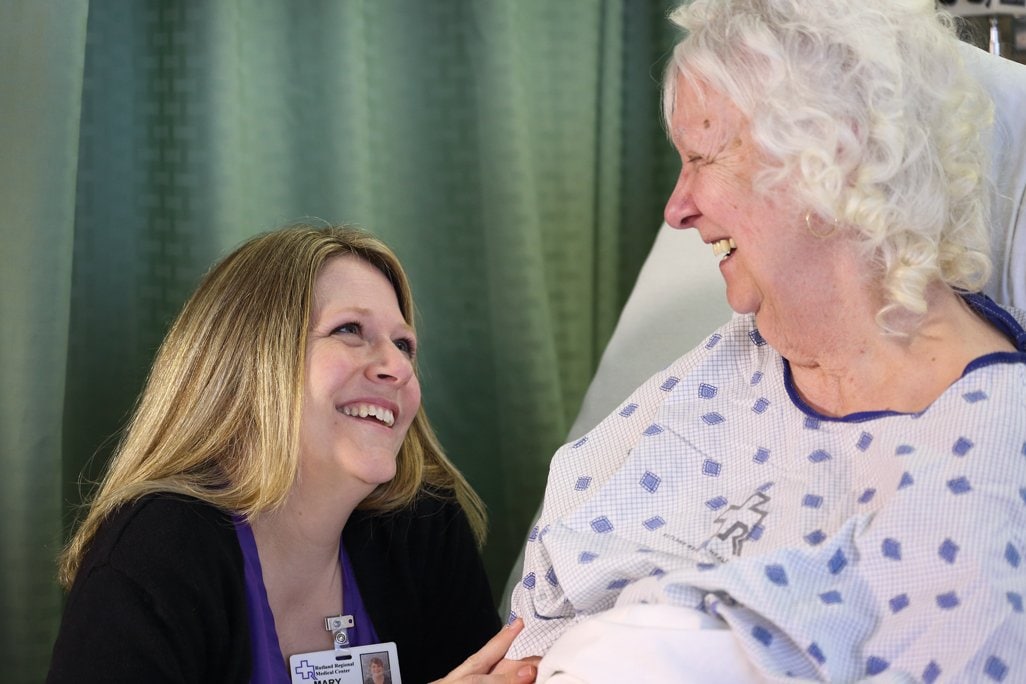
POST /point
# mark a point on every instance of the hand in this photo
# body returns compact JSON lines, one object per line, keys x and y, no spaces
{"x":488,"y":666}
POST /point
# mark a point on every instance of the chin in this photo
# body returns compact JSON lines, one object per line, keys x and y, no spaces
{"x":742,"y":306}
{"x":380,"y":475}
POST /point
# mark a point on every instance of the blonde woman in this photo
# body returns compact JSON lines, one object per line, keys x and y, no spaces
{"x":279,"y":471}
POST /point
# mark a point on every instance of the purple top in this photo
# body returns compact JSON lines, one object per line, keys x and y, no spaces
{"x":268,"y":661}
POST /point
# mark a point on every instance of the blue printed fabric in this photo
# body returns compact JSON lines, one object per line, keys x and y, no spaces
{"x":835,"y":549}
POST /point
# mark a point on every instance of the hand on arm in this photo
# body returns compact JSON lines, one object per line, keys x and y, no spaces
{"x":488,"y":666}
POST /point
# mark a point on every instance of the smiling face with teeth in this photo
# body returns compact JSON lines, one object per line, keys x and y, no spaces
{"x":760,"y":238}
{"x":361,"y":393}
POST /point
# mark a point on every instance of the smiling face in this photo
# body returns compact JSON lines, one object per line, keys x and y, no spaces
{"x":771,"y":264}
{"x":360,"y":394}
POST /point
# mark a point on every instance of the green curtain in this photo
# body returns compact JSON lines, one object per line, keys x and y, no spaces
{"x":510,"y":151}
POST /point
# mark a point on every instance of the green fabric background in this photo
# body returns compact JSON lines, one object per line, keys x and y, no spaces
{"x":509,"y":150}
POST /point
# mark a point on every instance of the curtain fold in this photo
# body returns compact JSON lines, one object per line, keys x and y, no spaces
{"x":510,"y":152}
{"x":41,"y":49}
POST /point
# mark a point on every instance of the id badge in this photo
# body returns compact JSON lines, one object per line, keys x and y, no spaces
{"x":377,"y":663}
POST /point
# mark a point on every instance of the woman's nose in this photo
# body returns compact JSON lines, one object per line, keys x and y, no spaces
{"x":390,"y":364}
{"x":680,"y":208}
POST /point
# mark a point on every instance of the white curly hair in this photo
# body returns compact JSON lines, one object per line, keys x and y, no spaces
{"x":866,"y":114}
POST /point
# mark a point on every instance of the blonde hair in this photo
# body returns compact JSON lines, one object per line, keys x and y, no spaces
{"x":219,"y":416}
{"x":867,"y":115}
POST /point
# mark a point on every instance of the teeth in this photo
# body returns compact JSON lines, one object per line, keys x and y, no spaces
{"x":724,"y":246}
{"x":365,"y":410}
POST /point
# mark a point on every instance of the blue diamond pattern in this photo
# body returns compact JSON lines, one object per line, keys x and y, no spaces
{"x":652,"y":430}
{"x":628,"y":410}
{"x":904,"y":450}
{"x":713,"y":341}
{"x":760,"y":405}
{"x":815,"y":537}
{"x":1015,"y":599}
{"x":586,"y":557}
{"x":762,"y":635}
{"x":899,"y":603}
{"x":831,"y":597}
{"x":582,"y":483}
{"x":756,"y":378}
{"x":865,"y":439}
{"x":931,"y":673}
{"x":906,"y":480}
{"x":650,"y":481}
{"x":959,"y":485}
{"x":713,"y":418}
{"x":948,"y":551}
{"x":974,"y":396}
{"x":818,"y":456}
{"x":837,"y":562}
{"x":948,"y":600}
{"x":875,"y":665}
{"x":756,"y":337}
{"x":706,"y":391}
{"x":550,"y":577}
{"x":777,"y":575}
{"x":995,"y":668}
{"x":654,"y":523}
{"x":762,"y":455}
{"x":962,"y":446}
{"x":711,"y":468}
{"x":891,"y":549}
{"x":529,"y":580}
{"x":716,"y":503}
{"x":812,"y":501}
{"x":867,"y":496}
{"x":602,"y":525}
{"x":669,"y":383}
{"x":1012,"y":555}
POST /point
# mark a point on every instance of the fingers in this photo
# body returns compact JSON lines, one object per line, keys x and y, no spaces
{"x":506,"y":666}
{"x":489,"y":654}
{"x":475,"y":669}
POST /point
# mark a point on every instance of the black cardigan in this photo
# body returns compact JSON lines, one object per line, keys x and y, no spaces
{"x":160,"y":595}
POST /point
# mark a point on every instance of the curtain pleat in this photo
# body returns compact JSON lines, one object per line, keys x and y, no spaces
{"x":41,"y":49}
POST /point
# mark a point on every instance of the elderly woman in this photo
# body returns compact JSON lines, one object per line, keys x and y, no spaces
{"x":838,"y":475}
{"x":279,"y":492}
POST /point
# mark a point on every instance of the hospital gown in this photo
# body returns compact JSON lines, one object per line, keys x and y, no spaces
{"x":835,"y":549}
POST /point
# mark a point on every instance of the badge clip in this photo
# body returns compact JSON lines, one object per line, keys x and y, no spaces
{"x":338,"y":626}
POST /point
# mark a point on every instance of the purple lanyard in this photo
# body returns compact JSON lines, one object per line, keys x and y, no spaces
{"x":268,"y":662}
